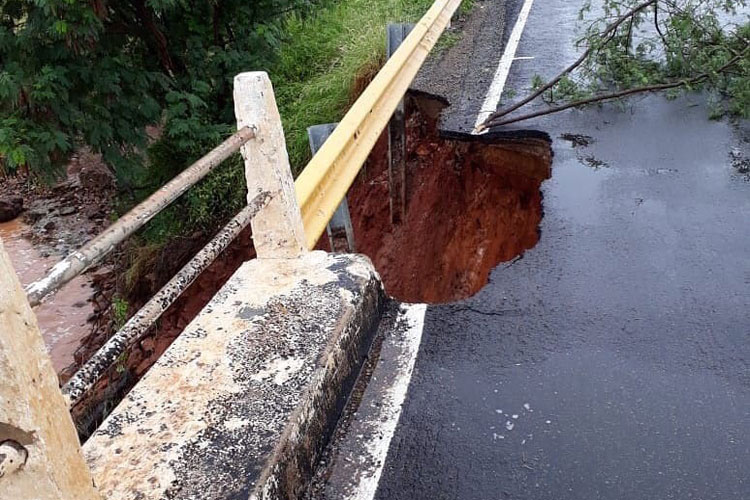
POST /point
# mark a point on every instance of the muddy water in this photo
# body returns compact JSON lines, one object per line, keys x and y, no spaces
{"x":62,"y":318}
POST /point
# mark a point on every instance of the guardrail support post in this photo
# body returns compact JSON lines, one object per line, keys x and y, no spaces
{"x":40,"y":455}
{"x":396,"y":33}
{"x":277,"y":229}
{"x":339,"y":229}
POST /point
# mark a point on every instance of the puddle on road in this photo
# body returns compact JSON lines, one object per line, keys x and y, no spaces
{"x":62,"y":318}
{"x":578,"y":187}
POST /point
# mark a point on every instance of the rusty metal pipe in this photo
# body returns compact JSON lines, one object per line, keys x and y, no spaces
{"x":88,"y":255}
{"x":95,"y":368}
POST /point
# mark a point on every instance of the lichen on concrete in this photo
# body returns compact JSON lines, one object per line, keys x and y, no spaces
{"x":243,"y":401}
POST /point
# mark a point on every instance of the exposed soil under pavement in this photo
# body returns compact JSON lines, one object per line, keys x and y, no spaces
{"x":472,"y":202}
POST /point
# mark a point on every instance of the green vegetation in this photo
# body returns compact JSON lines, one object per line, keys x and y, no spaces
{"x":447,"y":41}
{"x":465,"y":7}
{"x":98,"y":72}
{"x":120,"y":308}
{"x":322,"y":58}
{"x":636,"y":46}
{"x":121,"y":363}
{"x":327,"y":55}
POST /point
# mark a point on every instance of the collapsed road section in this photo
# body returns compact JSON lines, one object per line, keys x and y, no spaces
{"x":472,"y":203}
{"x":289,"y":336}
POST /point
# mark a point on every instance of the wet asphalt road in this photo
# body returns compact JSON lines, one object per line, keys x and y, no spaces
{"x":626,"y":331}
{"x":613,"y":360}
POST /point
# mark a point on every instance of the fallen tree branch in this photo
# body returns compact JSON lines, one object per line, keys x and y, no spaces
{"x":612,"y":27}
{"x":658,"y":28}
{"x":615,"y":95}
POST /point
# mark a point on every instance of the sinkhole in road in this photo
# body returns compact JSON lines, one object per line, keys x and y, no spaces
{"x":472,"y":203}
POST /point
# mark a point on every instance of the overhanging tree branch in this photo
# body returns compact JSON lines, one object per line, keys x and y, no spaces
{"x":604,"y":34}
{"x":615,"y":95}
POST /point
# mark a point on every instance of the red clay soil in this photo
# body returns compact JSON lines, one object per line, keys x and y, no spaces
{"x":471,"y":204}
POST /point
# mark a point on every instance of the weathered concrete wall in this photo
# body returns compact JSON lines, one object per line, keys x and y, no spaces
{"x":244,"y":400}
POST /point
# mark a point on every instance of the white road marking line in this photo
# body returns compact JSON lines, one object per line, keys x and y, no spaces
{"x":392,"y":402}
{"x":503,"y":69}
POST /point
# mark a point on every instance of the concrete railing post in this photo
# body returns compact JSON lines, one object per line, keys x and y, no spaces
{"x":40,"y":455}
{"x":278,"y":231}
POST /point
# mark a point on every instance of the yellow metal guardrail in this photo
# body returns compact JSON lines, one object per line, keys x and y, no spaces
{"x":326,"y":179}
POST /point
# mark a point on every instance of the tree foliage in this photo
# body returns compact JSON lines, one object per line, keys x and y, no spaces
{"x":97,"y":72}
{"x":635,"y":46}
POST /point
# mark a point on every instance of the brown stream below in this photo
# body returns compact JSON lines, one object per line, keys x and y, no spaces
{"x":63,"y":317}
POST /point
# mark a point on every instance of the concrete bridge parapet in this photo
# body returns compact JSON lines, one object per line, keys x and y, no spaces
{"x":243,"y":402}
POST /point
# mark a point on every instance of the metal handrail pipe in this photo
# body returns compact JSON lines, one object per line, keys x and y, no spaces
{"x":93,"y":251}
{"x":96,"y":367}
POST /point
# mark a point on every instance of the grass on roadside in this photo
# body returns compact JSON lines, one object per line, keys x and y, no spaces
{"x":323,"y":56}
